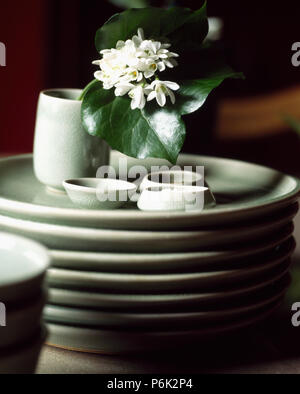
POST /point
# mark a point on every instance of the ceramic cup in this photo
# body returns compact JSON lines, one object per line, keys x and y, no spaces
{"x":175,"y":191}
{"x":178,"y":178}
{"x":175,"y":198}
{"x":62,"y":148}
{"x":99,"y":193}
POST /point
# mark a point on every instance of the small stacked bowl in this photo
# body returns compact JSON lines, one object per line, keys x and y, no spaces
{"x":126,"y":280}
{"x":23,"y":264}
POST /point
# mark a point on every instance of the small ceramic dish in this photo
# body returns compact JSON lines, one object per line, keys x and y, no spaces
{"x":172,"y":177}
{"x":23,"y":264}
{"x":175,"y":198}
{"x":99,"y":193}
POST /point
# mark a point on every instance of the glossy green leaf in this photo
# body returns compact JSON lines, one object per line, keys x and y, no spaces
{"x":181,"y":25}
{"x":191,"y":34}
{"x":193,"y":93}
{"x":293,"y":123}
{"x":130,"y":3}
{"x":152,"y":132}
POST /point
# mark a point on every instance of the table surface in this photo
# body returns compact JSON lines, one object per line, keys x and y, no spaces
{"x":271,"y":347}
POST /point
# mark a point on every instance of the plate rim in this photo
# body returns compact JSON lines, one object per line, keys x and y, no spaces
{"x":84,"y":214}
{"x":109,"y":335}
{"x":153,"y":317}
{"x":86,"y":232}
{"x":177,"y":276}
{"x":167,"y":298}
{"x":68,"y":255}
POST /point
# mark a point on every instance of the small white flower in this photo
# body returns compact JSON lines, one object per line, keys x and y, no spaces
{"x":168,"y":59}
{"x":160,"y":90}
{"x":148,"y":48}
{"x":147,"y":66}
{"x":128,"y":53}
{"x":130,"y":75}
{"x":137,"y":94}
{"x":108,"y":80}
{"x":131,"y":64}
{"x":137,"y":40}
{"x":123,"y":88}
{"x":158,"y":52}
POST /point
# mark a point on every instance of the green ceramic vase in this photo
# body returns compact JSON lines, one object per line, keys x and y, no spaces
{"x":62,"y":148}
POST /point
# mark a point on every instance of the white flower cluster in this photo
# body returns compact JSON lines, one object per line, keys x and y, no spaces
{"x":131,"y":68}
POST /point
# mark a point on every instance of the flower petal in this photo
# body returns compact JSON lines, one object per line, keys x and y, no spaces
{"x":151,"y":95}
{"x":168,"y":63}
{"x":122,"y":89}
{"x":171,"y":85}
{"x":161,"y":66}
{"x":137,"y":41}
{"x":172,"y":96}
{"x":160,"y":97}
{"x":133,"y":104}
{"x":141,"y":34}
{"x":173,"y":54}
{"x":142,"y":102}
{"x":98,"y":75}
{"x":148,"y":74}
{"x":97,"y":62}
{"x":104,"y":51}
{"x":120,"y":44}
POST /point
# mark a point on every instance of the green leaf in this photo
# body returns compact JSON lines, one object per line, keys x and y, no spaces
{"x":157,"y":23}
{"x":152,"y":132}
{"x":130,"y":3}
{"x":292,"y":122}
{"x":193,"y":93}
{"x":191,"y":34}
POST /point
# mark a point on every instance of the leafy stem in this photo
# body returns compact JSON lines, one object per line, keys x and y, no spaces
{"x":87,"y":88}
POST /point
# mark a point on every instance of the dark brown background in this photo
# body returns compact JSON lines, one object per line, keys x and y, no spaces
{"x":50,"y":43}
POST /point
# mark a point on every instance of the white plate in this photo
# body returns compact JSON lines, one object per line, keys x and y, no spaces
{"x":23,"y":264}
{"x":161,"y":302}
{"x":86,"y":239}
{"x":176,"y":320}
{"x":149,"y":283}
{"x":243,"y":191}
{"x":120,"y":342}
{"x":166,"y":262}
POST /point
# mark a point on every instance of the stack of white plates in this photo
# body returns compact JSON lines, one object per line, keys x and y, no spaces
{"x":23,"y":265}
{"x":126,"y":280}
